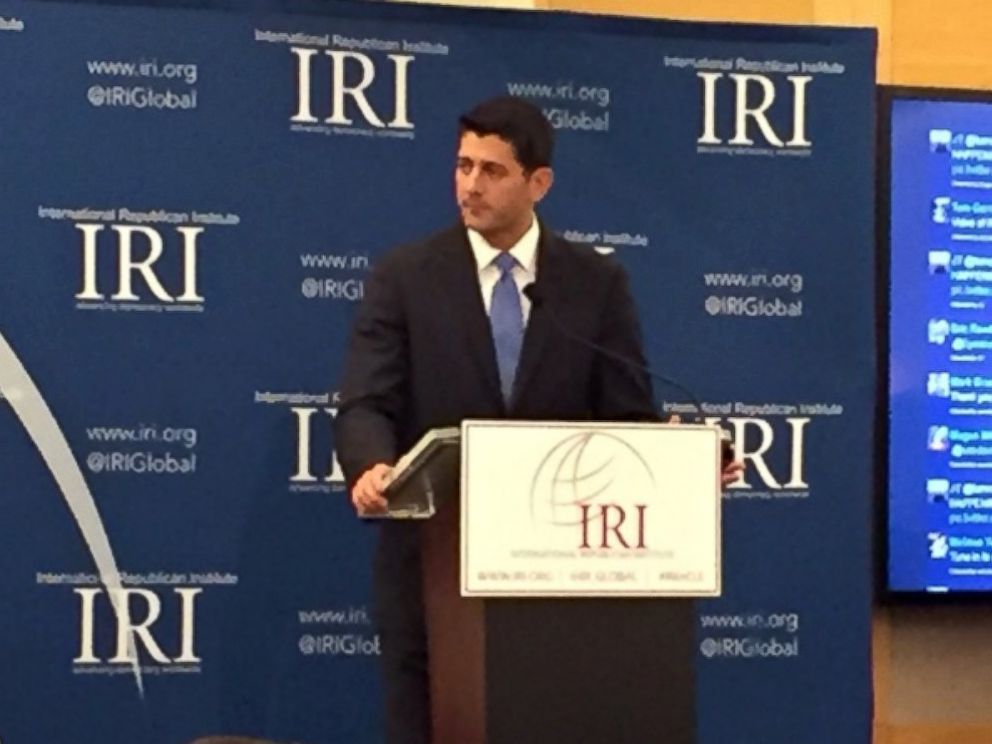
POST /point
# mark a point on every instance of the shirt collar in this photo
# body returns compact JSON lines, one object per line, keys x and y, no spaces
{"x":524,"y":250}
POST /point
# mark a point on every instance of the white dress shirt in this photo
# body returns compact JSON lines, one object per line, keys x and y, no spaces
{"x":524,"y":273}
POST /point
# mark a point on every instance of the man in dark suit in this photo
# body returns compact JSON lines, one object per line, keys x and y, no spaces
{"x":447,"y":333}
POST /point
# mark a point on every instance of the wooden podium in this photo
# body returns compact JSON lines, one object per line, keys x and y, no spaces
{"x":570,"y":648}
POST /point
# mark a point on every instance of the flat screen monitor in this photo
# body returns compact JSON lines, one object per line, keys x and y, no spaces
{"x":936,"y":273}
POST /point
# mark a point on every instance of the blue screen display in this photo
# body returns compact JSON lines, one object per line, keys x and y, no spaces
{"x":940,"y":342}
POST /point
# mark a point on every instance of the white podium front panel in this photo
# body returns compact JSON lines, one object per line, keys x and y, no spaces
{"x":590,"y":509}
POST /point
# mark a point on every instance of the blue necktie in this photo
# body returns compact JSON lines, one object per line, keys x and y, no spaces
{"x":507,"y":319}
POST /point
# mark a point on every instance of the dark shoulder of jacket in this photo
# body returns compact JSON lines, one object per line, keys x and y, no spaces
{"x":406,"y":256}
{"x":587,"y":260}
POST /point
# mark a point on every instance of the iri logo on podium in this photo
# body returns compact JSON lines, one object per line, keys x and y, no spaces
{"x":598,"y":485}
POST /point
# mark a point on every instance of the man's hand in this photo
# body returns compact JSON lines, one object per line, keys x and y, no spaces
{"x":366,"y":495}
{"x":731,"y":472}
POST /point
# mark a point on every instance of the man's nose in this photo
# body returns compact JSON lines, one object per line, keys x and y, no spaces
{"x":473,"y":180}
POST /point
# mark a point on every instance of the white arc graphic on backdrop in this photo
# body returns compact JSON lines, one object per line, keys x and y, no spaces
{"x":22,"y":394}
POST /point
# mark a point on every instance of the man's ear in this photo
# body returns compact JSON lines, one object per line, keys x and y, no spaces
{"x":541,"y":181}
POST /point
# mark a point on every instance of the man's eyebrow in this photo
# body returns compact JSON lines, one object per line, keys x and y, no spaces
{"x":480,"y":162}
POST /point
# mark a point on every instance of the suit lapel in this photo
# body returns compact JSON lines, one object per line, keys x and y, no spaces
{"x":459,"y":277}
{"x":539,"y":324}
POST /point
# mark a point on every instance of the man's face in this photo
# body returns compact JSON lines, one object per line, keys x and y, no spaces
{"x":494,"y":194}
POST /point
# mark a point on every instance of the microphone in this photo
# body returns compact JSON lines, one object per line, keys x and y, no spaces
{"x":537,"y":298}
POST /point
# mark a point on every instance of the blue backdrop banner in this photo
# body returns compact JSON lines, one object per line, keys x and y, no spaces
{"x":192,"y":199}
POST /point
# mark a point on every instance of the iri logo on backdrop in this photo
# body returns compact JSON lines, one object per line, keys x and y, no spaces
{"x":352,"y":85}
{"x":143,"y":635}
{"x":350,"y":92}
{"x":739,"y":110}
{"x":133,"y":273}
{"x":148,"y":623}
{"x":139,"y":260}
{"x":309,"y":419}
{"x":599,"y":486}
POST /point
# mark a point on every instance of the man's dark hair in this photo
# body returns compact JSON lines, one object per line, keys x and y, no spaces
{"x":518,"y":122}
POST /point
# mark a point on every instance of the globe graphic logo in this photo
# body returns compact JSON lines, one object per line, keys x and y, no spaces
{"x":587,"y":468}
